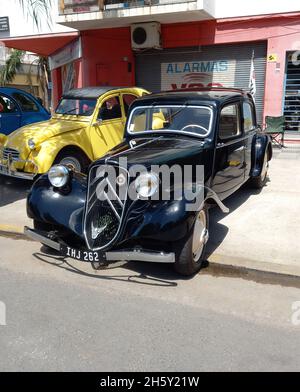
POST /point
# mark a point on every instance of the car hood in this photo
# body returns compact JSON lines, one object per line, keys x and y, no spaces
{"x":41,"y":132}
{"x":158,"y":151}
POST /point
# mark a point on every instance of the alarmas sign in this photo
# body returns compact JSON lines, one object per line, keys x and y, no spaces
{"x":199,"y":74}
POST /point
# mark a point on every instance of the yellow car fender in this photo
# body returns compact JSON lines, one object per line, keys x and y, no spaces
{"x":43,"y":157}
{"x":3,"y":139}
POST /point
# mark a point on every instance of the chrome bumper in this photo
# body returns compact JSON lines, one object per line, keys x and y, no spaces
{"x":122,"y":255}
{"x":8,"y":170}
{"x":34,"y":235}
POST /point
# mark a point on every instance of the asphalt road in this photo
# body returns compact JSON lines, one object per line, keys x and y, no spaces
{"x":63,"y":316}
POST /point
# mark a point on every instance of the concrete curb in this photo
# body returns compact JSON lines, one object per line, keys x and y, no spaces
{"x":13,"y":232}
{"x":263,"y":272}
{"x":220,"y":265}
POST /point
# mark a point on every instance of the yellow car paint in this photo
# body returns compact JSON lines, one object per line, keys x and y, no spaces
{"x":86,"y":134}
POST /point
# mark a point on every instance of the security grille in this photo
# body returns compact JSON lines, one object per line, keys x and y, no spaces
{"x":292,"y":94}
{"x":12,"y":153}
{"x":105,"y":205}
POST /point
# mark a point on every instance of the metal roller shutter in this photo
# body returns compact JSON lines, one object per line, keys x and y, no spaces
{"x":226,"y":65}
{"x":292,"y":94}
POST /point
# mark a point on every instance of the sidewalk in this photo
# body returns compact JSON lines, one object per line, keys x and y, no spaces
{"x":13,"y":216}
{"x":261,"y":232}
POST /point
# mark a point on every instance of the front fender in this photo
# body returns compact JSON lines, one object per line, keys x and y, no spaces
{"x":44,"y":204}
{"x":167,"y":221}
{"x":3,"y":139}
{"x":261,"y":144}
{"x":44,"y":156}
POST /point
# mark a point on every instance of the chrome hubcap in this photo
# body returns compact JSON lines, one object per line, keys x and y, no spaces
{"x":265,"y":168}
{"x":200,"y":236}
{"x":71,"y":163}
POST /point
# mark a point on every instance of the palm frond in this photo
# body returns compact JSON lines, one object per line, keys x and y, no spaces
{"x":11,"y":67}
{"x":38,"y":10}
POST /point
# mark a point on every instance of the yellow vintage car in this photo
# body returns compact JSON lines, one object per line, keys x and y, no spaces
{"x":87,"y":123}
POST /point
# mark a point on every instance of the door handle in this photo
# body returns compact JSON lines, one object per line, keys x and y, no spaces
{"x":243,"y":148}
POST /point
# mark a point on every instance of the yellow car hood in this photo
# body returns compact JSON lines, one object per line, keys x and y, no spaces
{"x":40,"y":132}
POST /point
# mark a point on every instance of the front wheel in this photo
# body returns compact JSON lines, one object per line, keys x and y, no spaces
{"x":72,"y":159}
{"x":190,"y":252}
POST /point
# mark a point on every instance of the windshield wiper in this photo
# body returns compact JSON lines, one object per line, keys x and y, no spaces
{"x":69,"y":111}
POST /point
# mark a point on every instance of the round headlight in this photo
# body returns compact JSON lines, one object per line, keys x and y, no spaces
{"x":147,"y":184}
{"x":31,"y":144}
{"x":58,"y":176}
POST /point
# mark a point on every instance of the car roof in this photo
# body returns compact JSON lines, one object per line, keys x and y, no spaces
{"x":190,"y":96}
{"x":7,"y":90}
{"x":91,"y":92}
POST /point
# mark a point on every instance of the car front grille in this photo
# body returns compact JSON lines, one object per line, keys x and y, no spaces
{"x":105,"y":206}
{"x":10,"y":152}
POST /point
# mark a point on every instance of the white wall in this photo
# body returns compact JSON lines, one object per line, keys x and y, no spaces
{"x":20,"y":25}
{"x":235,"y":8}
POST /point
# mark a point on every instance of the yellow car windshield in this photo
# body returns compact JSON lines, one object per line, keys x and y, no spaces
{"x":77,"y":107}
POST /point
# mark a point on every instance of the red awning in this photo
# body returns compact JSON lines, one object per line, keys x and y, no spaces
{"x":43,"y":45}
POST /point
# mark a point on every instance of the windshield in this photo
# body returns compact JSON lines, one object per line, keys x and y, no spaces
{"x":184,"y":119}
{"x":78,"y":107}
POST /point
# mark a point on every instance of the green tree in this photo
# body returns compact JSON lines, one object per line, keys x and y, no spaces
{"x":11,"y":67}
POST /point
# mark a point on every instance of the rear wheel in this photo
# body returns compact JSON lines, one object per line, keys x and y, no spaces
{"x":190,"y":252}
{"x":260,"y":182}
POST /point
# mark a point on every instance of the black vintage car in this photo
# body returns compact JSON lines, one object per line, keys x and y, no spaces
{"x":132,"y":214}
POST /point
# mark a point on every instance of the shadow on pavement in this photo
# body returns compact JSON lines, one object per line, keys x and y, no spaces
{"x":137,"y":274}
{"x":13,"y":189}
{"x":218,"y":231}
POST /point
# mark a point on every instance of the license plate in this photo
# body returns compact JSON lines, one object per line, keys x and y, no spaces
{"x":83,"y":255}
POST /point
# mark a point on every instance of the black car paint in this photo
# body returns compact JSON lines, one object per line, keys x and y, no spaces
{"x":162,"y":222}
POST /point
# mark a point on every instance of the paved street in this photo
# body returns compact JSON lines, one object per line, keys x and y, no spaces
{"x":63,"y":316}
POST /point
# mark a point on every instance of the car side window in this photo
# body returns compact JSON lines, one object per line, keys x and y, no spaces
{"x":26,"y":104}
{"x":7,"y":105}
{"x":110,"y":109}
{"x":127,"y":100}
{"x":229,"y":122}
{"x":249,"y":122}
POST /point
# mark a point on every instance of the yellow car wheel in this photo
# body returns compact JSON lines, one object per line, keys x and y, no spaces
{"x":73,"y":159}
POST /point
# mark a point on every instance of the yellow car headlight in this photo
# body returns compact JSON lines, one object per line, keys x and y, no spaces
{"x":31,"y":144}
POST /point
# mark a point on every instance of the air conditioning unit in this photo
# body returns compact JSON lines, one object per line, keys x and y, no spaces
{"x":146,"y":36}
